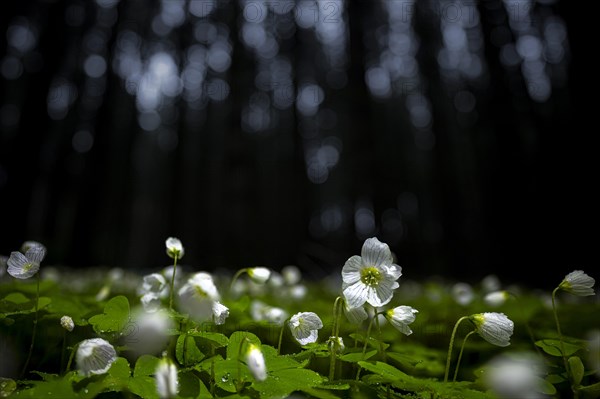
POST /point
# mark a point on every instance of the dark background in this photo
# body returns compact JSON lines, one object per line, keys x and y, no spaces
{"x":499,"y":182}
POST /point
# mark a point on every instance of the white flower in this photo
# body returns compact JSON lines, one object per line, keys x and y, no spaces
{"x":220,"y":312}
{"x":167,"y":382}
{"x":515,"y":375}
{"x":495,"y":328}
{"x":577,"y":283}
{"x":151,"y":302}
{"x":95,"y":356}
{"x":256,"y":363}
{"x":304,"y":327}
{"x":462,"y":293}
{"x":355,"y":315}
{"x":291,"y":274}
{"x":259,"y":275}
{"x":370,"y":277}
{"x":496,"y":298}
{"x":67,"y":323}
{"x":174,"y":248}
{"x":275,"y":315}
{"x":154,"y":282}
{"x":24,"y":266}
{"x":297,"y":291}
{"x":336,"y":344}
{"x":149,"y":334}
{"x":490,"y":283}
{"x":400,"y":317}
{"x":197,"y":296}
{"x":27,"y":245}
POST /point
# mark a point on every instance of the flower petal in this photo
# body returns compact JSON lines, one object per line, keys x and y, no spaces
{"x":351,"y":270}
{"x":376,"y":253}
{"x":382,"y":294}
{"x":36,"y":253}
{"x":355,"y":294}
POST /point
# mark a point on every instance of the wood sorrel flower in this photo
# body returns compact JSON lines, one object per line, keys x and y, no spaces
{"x":95,"y":356}
{"x":355,"y":315}
{"x":167,"y":382}
{"x":198,"y":295}
{"x":174,"y":248}
{"x":256,"y":363}
{"x":24,"y":266}
{"x":66,"y":322}
{"x":370,"y":277}
{"x":494,"y":327}
{"x":496,"y":298}
{"x":305,"y":327}
{"x":577,"y":283}
{"x":400,"y":317}
{"x":259,"y":275}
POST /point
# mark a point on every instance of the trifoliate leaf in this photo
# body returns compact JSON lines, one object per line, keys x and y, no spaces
{"x":114,"y":318}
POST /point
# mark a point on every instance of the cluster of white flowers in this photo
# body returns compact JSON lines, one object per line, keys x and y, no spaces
{"x":371,"y":278}
{"x":154,"y":287}
{"x":260,"y":311}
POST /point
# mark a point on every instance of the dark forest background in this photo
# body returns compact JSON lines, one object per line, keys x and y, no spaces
{"x":275,"y":133}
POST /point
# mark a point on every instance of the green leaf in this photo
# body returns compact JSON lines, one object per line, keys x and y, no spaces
{"x":577,"y":369}
{"x":544,"y":386}
{"x":552,"y":347}
{"x":390,"y":373}
{"x":357,"y":356}
{"x":16,"y":297}
{"x":145,"y":365}
{"x":143,"y":386}
{"x":319,"y":393}
{"x":238,"y":339}
{"x":187,"y":352}
{"x":56,"y":389}
{"x":114,"y":318}
{"x":217,"y":340}
{"x":274,"y":362}
{"x":555,"y":378}
{"x":281,"y":383}
{"x":590,"y":391}
{"x":7,"y":386}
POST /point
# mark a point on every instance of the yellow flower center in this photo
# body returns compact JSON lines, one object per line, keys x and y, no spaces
{"x":370,"y":276}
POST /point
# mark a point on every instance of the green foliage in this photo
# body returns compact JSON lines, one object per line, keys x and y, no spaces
{"x":211,"y":360}
{"x":115,"y":316}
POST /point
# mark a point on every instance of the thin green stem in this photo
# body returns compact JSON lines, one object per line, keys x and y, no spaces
{"x":560,"y":337}
{"x":334,"y":333}
{"x":381,"y":350}
{"x":450,"y":347}
{"x":35,"y":322}
{"x":173,"y":282}
{"x":366,"y":342}
{"x":71,"y":358}
{"x":281,"y":336}
{"x":460,"y":354}
{"x":236,"y":276}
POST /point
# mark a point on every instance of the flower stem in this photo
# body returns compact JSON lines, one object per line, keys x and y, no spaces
{"x":173,"y":282}
{"x":337,"y":306}
{"x":71,"y":358}
{"x":35,"y":322}
{"x":236,"y":276}
{"x":281,"y":336}
{"x":450,"y":347}
{"x":560,"y":338}
{"x":365,"y":344}
{"x":460,"y":354}
{"x":379,"y":336}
